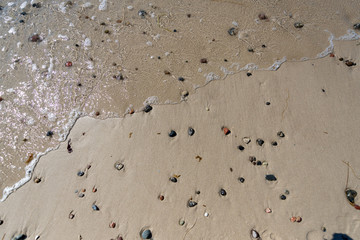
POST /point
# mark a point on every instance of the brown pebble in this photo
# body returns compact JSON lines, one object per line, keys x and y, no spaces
{"x":349,"y":63}
{"x":1,"y":99}
{"x":167,"y":72}
{"x":298,"y":219}
{"x":341,"y":59}
{"x":203,"y":60}
{"x":226,"y":130}
{"x":94,"y":189}
{"x":37,"y":180}
{"x":161,"y":197}
{"x":97,"y":113}
{"x":332,"y":55}
{"x":293,"y":219}
{"x":188,"y":15}
{"x":112,"y":225}
{"x":83,"y":190}
{"x":262,"y":16}
{"x":35,"y":38}
{"x":119,"y":21}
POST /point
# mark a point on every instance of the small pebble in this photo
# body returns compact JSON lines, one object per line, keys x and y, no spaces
{"x":95,"y":208}
{"x":181,"y":79}
{"x":172,"y":133}
{"x":21,"y":21}
{"x":248,"y":74}
{"x":241,"y":148}
{"x":260,"y":142}
{"x":287,"y":192}
{"x":71,"y":215}
{"x":341,"y":59}
{"x":197,"y":192}
{"x":161,"y":197}
{"x":246,"y":140}
{"x":349,"y":63}
{"x":206,"y":214}
{"x":268,"y":210}
{"x":252,"y":159}
{"x":20,"y":237}
{"x":49,"y":133}
{"x":250,"y":50}
{"x":94,"y":189}
{"x":254,"y":234}
{"x":80,"y":173}
{"x":270,"y":177}
{"x":37,"y":180}
{"x":192,"y":203}
{"x":259,"y":163}
{"x":262,"y":16}
{"x":298,"y":219}
{"x":298,"y":25}
{"x":356,"y":26}
{"x":81,"y":195}
{"x":68,"y":64}
{"x":36,"y":5}
{"x":232,"y":31}
{"x":147,"y":108}
{"x":203,"y":60}
{"x":267,"y":103}
{"x":281,"y":134}
{"x":191,"y":131}
{"x":222,"y":192}
{"x":293,"y":219}
{"x":226,"y":130}
{"x":323,"y":229}
{"x":274,"y":143}
{"x":181,"y":222}
{"x":118,"y":166}
{"x":173,"y":179}
{"x":142,"y":13}
{"x":146,"y":234}
{"x":282,"y":197}
{"x":1,"y":222}
{"x":242,"y":180}
{"x":112,"y":225}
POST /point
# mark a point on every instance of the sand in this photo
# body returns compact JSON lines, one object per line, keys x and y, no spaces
{"x":313,"y":102}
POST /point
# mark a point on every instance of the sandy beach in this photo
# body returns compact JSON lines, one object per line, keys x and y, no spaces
{"x":249,"y":132}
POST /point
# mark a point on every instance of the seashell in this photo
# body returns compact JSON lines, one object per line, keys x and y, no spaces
{"x":254,"y":234}
{"x":118,"y":166}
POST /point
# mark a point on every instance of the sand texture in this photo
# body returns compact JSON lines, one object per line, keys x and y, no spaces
{"x":314,"y":103}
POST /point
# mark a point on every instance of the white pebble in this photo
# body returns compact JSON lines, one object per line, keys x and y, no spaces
{"x":103,"y":5}
{"x":19,"y":44}
{"x":63,"y":37}
{"x":87,"y":5}
{"x":206,"y":214}
{"x":93,"y":18}
{"x":12,"y":30}
{"x":167,"y":54}
{"x":87,"y":42}
{"x":130,"y":8}
{"x":149,"y":43}
{"x":23,"y":5}
{"x":235,"y":24}
{"x":10,"y":4}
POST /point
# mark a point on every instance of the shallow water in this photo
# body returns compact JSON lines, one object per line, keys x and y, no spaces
{"x":129,"y":54}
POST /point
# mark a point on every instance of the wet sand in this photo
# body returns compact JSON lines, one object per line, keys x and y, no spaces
{"x":314,"y":103}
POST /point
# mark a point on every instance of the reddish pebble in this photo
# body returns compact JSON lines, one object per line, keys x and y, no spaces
{"x":226,"y":130}
{"x":332,"y":55}
{"x":293,"y":219}
{"x":161,"y":197}
{"x":68,"y":64}
{"x":1,"y":99}
{"x":94,"y":189}
{"x":262,"y":16}
{"x":203,"y":60}
{"x":112,"y":225}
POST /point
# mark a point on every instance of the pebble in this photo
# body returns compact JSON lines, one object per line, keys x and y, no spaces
{"x":222,"y":192}
{"x":232,"y":31}
{"x":260,"y":142}
{"x":323,"y":229}
{"x":241,"y":147}
{"x":246,"y":140}
{"x":259,"y":163}
{"x":282,"y":197}
{"x":298,"y":25}
{"x":71,"y":215}
{"x":293,"y":219}
{"x":281,"y":134}
{"x":191,"y":131}
{"x":172,"y":133}
{"x":242,"y":180}
{"x":20,"y":237}
{"x":270,"y":177}
{"x":349,"y":63}
{"x":161,"y":197}
{"x":147,"y":108}
{"x":268,"y":210}
{"x":203,"y":60}
{"x":142,"y":13}
{"x":81,"y":195}
{"x":173,"y":179}
{"x":37,"y":180}
{"x":356,"y":26}
{"x":226,"y":130}
{"x":146,"y":234}
{"x":206,"y":214}
{"x":1,"y":222}
{"x":287,"y":192}
{"x":274,"y":143}
{"x":118,"y":166}
{"x":298,"y":219}
{"x":181,"y":79}
{"x":252,"y":159}
{"x":248,"y":74}
{"x":262,"y":16}
{"x":80,"y":173}
{"x":68,"y":64}
{"x":49,"y":133}
{"x":95,"y":208}
{"x":112,"y":225}
{"x":181,"y":222}
{"x":192,"y":203}
{"x":254,"y":234}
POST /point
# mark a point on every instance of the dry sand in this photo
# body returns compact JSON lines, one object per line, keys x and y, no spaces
{"x":315,"y":104}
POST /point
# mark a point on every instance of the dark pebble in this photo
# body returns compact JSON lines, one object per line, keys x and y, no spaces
{"x":282,"y":197}
{"x":203,"y":60}
{"x":35,"y":38}
{"x":37,"y":5}
{"x":77,"y":45}
{"x":197,"y":192}
{"x":232,"y":31}
{"x":267,"y":103}
{"x":298,"y":25}
{"x":241,"y":148}
{"x":181,"y":79}
{"x":225,"y":60}
{"x":1,"y":8}
{"x":349,"y":63}
{"x":173,"y":179}
{"x":174,"y":30}
{"x":323,"y":229}
{"x":242,"y":180}
{"x":341,"y":59}
{"x":21,"y":21}
{"x":260,"y":142}
{"x":119,"y":166}
{"x":192,"y":203}
{"x":262,"y":16}
{"x":250,"y":50}
{"x":323,"y":90}
{"x":191,"y":131}
{"x":252,"y":159}
{"x":274,"y":143}
{"x":95,"y":208}
{"x":222,"y":192}
{"x":356,"y":26}
{"x":49,"y":133}
{"x":1,"y":222}
{"x":142,"y":13}
{"x":248,"y":74}
{"x":20,"y":237}
{"x":263,"y":46}
{"x":147,"y":108}
{"x":80,"y":173}
{"x":188,"y":15}
{"x":159,"y":57}
{"x":281,"y":134}
{"x":259,"y":163}
{"x":270,"y":177}
{"x":172,"y":133}
{"x":146,"y":234}
{"x":23,"y":13}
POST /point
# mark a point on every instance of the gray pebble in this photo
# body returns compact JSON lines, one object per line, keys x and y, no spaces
{"x":232,"y":31}
{"x":80,"y":173}
{"x":192,"y":203}
{"x":356,"y":26}
{"x":191,"y":131}
{"x":19,"y":237}
{"x":147,"y":108}
{"x":270,"y":177}
{"x":95,"y":208}
{"x":146,"y":234}
{"x":173,"y":179}
{"x":142,"y":13}
{"x":298,"y":25}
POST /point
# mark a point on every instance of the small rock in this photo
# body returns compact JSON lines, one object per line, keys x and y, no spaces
{"x":80,"y":173}
{"x":181,"y":79}
{"x":142,"y":13}
{"x":49,"y":133}
{"x":173,"y":179}
{"x":298,"y":219}
{"x":192,"y":203}
{"x":252,"y":159}
{"x":81,"y":195}
{"x":147,"y":108}
{"x":1,"y":222}
{"x":35,"y":38}
{"x":37,"y":180}
{"x":282,"y":197}
{"x":226,"y":130}
{"x":254,"y":234}
{"x":349,"y":63}
{"x":112,"y":225}
{"x":20,"y":237}
{"x":298,"y":25}
{"x":260,"y":142}
{"x":246,"y":140}
{"x":95,"y":208}
{"x":71,"y":215}
{"x":241,"y":147}
{"x":323,"y":229}
{"x":287,"y":192}
{"x":232,"y":31}
{"x":184,"y":94}
{"x":262,"y":16}
{"x":161,"y":197}
{"x":206,"y":214}
{"x":222,"y":192}
{"x":268,"y":210}
{"x":259,"y":163}
{"x":181,"y":222}
{"x":146,"y":234}
{"x":274,"y":143}
{"x":241,"y":179}
{"x":172,"y":133}
{"x":293,"y":219}
{"x":191,"y":131}
{"x":281,"y":134}
{"x":248,"y":74}
{"x":118,"y":166}
{"x":203,"y":60}
{"x":270,"y":177}
{"x":356,"y":26}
